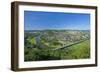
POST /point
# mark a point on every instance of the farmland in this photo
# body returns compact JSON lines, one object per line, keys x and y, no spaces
{"x":43,"y":45}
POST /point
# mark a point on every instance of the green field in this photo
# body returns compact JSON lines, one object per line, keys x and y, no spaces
{"x":78,"y":51}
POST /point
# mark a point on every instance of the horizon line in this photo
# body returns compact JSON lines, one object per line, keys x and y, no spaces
{"x":60,"y":29}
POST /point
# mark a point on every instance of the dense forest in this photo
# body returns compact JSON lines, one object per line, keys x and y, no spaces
{"x":43,"y":45}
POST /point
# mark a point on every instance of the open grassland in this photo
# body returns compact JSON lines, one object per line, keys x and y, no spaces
{"x":78,"y":51}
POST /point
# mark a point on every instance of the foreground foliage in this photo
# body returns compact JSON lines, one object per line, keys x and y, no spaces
{"x":78,"y":51}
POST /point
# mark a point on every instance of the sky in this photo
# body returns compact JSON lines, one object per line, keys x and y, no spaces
{"x":37,"y":20}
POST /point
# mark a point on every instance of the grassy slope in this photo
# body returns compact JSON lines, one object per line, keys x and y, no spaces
{"x":78,"y":51}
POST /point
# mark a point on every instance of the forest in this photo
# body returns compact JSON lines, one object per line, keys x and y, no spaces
{"x":41,"y":45}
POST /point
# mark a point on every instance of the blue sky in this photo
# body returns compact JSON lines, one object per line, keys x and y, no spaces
{"x":36,"y":20}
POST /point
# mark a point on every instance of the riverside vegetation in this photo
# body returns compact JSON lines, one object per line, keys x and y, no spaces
{"x":40,"y":45}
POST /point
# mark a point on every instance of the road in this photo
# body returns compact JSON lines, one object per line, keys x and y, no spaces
{"x":70,"y":45}
{"x":40,"y":45}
